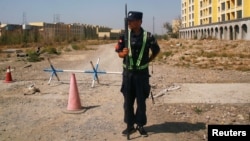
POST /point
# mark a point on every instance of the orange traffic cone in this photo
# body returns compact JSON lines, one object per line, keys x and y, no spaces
{"x":74,"y":102}
{"x":8,"y":78}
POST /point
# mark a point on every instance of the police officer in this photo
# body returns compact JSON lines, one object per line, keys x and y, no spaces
{"x":135,"y":85}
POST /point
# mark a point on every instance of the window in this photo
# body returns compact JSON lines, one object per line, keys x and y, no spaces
{"x":210,"y":10}
{"x":223,"y":17}
{"x":223,"y":6}
{"x":239,"y":14}
{"x":228,"y":5}
{"x":239,"y":2}
{"x":228,"y":16}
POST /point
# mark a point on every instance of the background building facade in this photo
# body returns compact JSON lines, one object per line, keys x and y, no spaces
{"x":220,"y":19}
{"x":53,"y":32}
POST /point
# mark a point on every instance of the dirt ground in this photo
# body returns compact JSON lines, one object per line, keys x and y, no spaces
{"x":33,"y":110}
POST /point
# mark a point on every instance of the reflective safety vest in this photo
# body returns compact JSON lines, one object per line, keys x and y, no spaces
{"x":138,"y":65}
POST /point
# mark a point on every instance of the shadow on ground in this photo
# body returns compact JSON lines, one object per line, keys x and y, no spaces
{"x":175,"y":127}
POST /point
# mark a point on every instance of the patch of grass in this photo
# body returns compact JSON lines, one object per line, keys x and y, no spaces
{"x":165,"y":54}
{"x":99,"y":42}
{"x":197,"y":110}
{"x":34,"y":57}
{"x":78,"y":47}
{"x":182,"y":58}
{"x":67,"y":50}
{"x":50,"y":50}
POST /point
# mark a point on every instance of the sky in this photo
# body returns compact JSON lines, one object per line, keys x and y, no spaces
{"x":109,"y":13}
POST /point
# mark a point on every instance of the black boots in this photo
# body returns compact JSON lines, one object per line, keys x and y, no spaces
{"x":132,"y":130}
{"x":142,"y":131}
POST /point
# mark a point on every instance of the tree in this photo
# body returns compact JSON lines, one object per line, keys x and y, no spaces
{"x":173,"y":29}
{"x":168,"y":27}
{"x":177,"y":25}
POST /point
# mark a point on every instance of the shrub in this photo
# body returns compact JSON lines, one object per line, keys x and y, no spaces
{"x":34,"y":57}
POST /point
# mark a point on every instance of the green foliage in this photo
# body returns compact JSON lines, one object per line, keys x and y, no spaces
{"x":34,"y":57}
{"x":67,"y":50}
{"x":50,"y":50}
{"x":78,"y":46}
{"x":174,"y":35}
{"x":165,"y":37}
{"x":168,"y":53}
{"x":10,"y":39}
{"x":168,"y":27}
{"x":25,"y":37}
{"x":165,"y":54}
{"x":75,"y":47}
{"x":197,"y":110}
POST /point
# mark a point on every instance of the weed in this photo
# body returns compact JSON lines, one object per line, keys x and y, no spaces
{"x":197,"y":110}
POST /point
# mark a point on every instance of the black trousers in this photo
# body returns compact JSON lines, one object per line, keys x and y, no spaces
{"x":135,"y":87}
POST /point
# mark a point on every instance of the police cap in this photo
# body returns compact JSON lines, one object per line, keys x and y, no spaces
{"x":134,"y":15}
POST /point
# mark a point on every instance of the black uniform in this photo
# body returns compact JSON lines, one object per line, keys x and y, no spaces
{"x":135,"y":84}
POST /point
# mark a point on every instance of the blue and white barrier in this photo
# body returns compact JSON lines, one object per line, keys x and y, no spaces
{"x":95,"y":72}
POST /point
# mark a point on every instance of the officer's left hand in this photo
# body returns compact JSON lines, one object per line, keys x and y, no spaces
{"x":123,"y":53}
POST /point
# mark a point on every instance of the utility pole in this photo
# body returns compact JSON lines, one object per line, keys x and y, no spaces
{"x":24,"y":18}
{"x":153,"y":25}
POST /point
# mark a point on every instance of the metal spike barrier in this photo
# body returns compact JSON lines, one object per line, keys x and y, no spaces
{"x":95,"y":72}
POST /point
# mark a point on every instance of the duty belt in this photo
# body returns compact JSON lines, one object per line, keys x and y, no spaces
{"x":136,"y":68}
